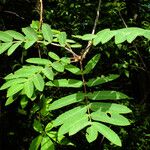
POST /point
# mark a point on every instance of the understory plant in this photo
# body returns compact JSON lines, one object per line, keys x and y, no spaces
{"x":83,"y":107}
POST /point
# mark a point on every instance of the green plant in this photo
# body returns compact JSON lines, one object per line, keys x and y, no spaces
{"x":86,"y":108}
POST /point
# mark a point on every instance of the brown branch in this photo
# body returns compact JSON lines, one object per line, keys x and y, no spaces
{"x":41,"y":13}
{"x":86,"y":50}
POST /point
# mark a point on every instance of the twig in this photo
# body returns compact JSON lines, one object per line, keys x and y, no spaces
{"x":140,"y":57}
{"x":86,"y":50}
{"x":122,"y":19}
{"x":13,"y":13}
{"x":68,"y":49}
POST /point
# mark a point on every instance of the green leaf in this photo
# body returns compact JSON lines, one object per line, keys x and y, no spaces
{"x":5,"y":37}
{"x":65,"y":60}
{"x":107,"y":133}
{"x":62,"y":37}
{"x":48,"y":127}
{"x":70,"y":115}
{"x":77,"y":45}
{"x":16,"y":35}
{"x":106,"y":95}
{"x":103,"y":36}
{"x":38,"y":82}
{"x":4,"y":47}
{"x":9,"y":101}
{"x":47,"y":32}
{"x":67,"y":100}
{"x":121,"y":35}
{"x":9,"y":83}
{"x":47,"y":144}
{"x":35,"y":24}
{"x":91,"y":134}
{"x":53,"y":56}
{"x":25,"y":71}
{"x":13,"y":48}
{"x":73,"y":69}
{"x":67,"y":83}
{"x":91,"y":64}
{"x":48,"y":73}
{"x":58,"y":66}
{"x":101,"y":80}
{"x":35,"y":144}
{"x":110,"y":107}
{"x":74,"y":126}
{"x":88,"y":37}
{"x":110,"y":117}
{"x":30,"y":33}
{"x":28,"y":43}
{"x":147,"y":34}
{"x":37,"y":126}
{"x":24,"y":101}
{"x":14,"y":89}
{"x":29,"y":88}
{"x":39,"y":61}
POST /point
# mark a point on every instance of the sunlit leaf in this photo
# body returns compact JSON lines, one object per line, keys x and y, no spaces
{"x":110,"y":117}
{"x":101,"y":80}
{"x":70,"y":115}
{"x":9,"y":83}
{"x":91,"y":64}
{"x":38,"y":82}
{"x":5,"y":37}
{"x":58,"y":66}
{"x":16,"y":35}
{"x":67,"y":83}
{"x":39,"y":61}
{"x":107,"y":133}
{"x":9,"y":101}
{"x":110,"y":107}
{"x":48,"y":73}
{"x":67,"y":100}
{"x":106,"y":95}
{"x":47,"y":144}
{"x":54,"y":56}
{"x":4,"y":47}
{"x":14,"y":89}
{"x":47,"y":32}
{"x":13,"y":48}
{"x":62,"y":38}
{"x":30,"y":33}
{"x":91,"y":134}
{"x":35,"y":144}
{"x":28,"y":88}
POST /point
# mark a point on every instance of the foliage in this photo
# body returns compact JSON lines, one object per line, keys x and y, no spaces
{"x":88,"y":109}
